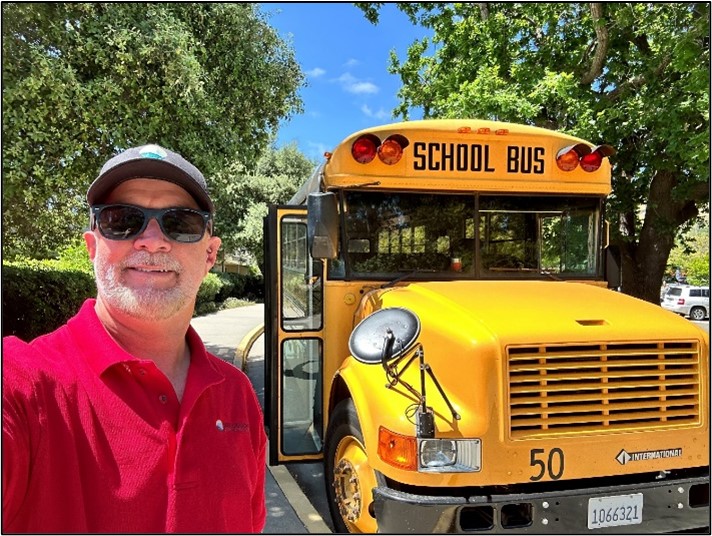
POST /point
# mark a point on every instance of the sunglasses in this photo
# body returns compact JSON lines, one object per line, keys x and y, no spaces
{"x":124,"y":222}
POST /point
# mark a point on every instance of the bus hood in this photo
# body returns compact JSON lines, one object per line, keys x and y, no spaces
{"x":524,"y":365}
{"x":522,"y":312}
{"x":485,"y":340}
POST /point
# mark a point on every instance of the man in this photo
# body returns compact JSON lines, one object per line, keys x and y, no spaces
{"x":120,"y":421}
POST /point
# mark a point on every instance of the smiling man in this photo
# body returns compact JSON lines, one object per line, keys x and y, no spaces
{"x":120,"y":421}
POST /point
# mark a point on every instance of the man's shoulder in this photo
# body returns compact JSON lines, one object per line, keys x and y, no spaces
{"x":59,"y":342}
{"x":225,"y":367}
{"x":49,"y":343}
{"x":39,"y":365}
{"x":45,"y":352}
{"x":16,"y":351}
{"x":236,"y":381}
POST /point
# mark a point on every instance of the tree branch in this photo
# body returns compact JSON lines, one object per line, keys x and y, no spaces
{"x":638,"y":81}
{"x":641,"y":41}
{"x":599,"y":56}
{"x":484,"y":10}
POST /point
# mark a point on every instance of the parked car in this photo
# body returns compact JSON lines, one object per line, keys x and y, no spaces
{"x":688,"y":300}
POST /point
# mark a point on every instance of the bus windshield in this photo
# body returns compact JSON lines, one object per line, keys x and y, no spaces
{"x":477,"y":236}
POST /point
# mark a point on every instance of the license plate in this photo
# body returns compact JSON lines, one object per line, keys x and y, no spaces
{"x":615,"y":511}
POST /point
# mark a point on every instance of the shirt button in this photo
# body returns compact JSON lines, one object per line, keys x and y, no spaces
{"x":142,"y":372}
{"x":162,"y":399}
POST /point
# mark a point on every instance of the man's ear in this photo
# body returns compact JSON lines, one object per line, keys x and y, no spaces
{"x":90,"y":241}
{"x":212,"y":252}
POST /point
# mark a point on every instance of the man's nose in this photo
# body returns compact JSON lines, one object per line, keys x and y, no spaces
{"x":152,"y":238}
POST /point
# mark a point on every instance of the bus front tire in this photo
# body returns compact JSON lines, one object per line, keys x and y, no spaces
{"x":349,"y":477}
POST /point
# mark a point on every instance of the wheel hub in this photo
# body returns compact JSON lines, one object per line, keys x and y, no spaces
{"x":347,"y":490}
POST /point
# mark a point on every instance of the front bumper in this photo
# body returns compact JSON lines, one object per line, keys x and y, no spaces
{"x":668,"y":506}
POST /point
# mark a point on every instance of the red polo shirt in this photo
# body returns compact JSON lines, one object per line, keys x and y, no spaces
{"x":95,"y":440}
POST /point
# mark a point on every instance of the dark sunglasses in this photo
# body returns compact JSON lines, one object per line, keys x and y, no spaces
{"x":123,"y":222}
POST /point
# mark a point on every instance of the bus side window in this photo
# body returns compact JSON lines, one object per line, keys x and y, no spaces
{"x":465,"y":251}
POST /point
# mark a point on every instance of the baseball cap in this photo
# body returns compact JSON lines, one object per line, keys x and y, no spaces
{"x":150,"y":162}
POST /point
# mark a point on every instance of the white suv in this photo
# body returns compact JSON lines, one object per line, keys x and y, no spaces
{"x":688,"y":301}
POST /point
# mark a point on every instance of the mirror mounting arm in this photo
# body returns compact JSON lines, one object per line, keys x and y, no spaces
{"x":394,"y":377}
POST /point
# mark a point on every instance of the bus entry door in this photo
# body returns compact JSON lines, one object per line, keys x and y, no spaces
{"x":294,"y":284}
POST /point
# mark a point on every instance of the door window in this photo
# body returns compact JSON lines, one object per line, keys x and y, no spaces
{"x":301,"y":396}
{"x":302,"y":285}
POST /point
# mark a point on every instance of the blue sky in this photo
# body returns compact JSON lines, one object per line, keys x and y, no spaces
{"x":345,"y":59}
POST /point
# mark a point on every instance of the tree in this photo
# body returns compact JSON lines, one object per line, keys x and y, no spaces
{"x":633,"y":75}
{"x":82,"y":81}
{"x":276,"y":177}
{"x":691,"y":256}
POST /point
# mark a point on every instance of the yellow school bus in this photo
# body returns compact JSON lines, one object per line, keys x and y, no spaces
{"x":444,"y":329}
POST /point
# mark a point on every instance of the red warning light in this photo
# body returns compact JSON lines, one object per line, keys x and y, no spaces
{"x":590,"y":158}
{"x":364,"y":148}
{"x":591,"y":162}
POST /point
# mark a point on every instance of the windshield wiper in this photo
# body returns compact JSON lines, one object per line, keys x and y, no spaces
{"x":408,"y":275}
{"x":550,"y":275}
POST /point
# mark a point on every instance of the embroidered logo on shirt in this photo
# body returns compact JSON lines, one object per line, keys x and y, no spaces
{"x":230,"y":426}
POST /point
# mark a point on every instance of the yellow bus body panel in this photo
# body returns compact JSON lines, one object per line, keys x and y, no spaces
{"x":479,"y":336}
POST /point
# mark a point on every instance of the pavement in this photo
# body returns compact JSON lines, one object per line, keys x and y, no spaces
{"x":234,"y":335}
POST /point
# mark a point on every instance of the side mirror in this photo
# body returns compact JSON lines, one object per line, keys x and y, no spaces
{"x":322,"y":225}
{"x":613,"y":267}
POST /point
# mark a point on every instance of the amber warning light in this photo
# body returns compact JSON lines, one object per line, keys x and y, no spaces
{"x":368,"y":146}
{"x":589,"y":158}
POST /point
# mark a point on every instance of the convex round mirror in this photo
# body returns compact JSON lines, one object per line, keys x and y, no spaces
{"x":368,"y":338}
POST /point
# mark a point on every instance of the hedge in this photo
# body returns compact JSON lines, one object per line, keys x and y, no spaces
{"x":220,"y":290}
{"x":40,"y":296}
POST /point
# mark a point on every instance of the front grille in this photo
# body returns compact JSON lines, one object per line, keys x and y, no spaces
{"x":602,"y":388}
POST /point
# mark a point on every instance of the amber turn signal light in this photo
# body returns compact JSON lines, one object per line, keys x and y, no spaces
{"x":397,"y":450}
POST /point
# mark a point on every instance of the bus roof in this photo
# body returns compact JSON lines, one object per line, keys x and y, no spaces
{"x":462,"y":155}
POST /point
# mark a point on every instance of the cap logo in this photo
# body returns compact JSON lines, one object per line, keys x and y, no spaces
{"x":153,"y":151}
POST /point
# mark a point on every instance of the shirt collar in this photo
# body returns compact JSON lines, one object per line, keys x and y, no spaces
{"x":101,"y":351}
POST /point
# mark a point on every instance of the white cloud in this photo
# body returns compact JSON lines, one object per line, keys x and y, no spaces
{"x":354,"y":85}
{"x":316,"y":72}
{"x":381,"y":114}
{"x":352,"y":63}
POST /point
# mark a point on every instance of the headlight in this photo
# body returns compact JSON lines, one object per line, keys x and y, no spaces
{"x":437,"y":453}
{"x":449,"y":455}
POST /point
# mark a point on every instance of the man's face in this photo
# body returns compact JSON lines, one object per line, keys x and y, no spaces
{"x":150,"y":276}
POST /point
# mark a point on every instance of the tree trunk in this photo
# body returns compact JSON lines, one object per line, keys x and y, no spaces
{"x":644,"y":263}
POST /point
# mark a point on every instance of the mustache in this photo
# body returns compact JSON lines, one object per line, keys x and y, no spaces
{"x":162,"y":261}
